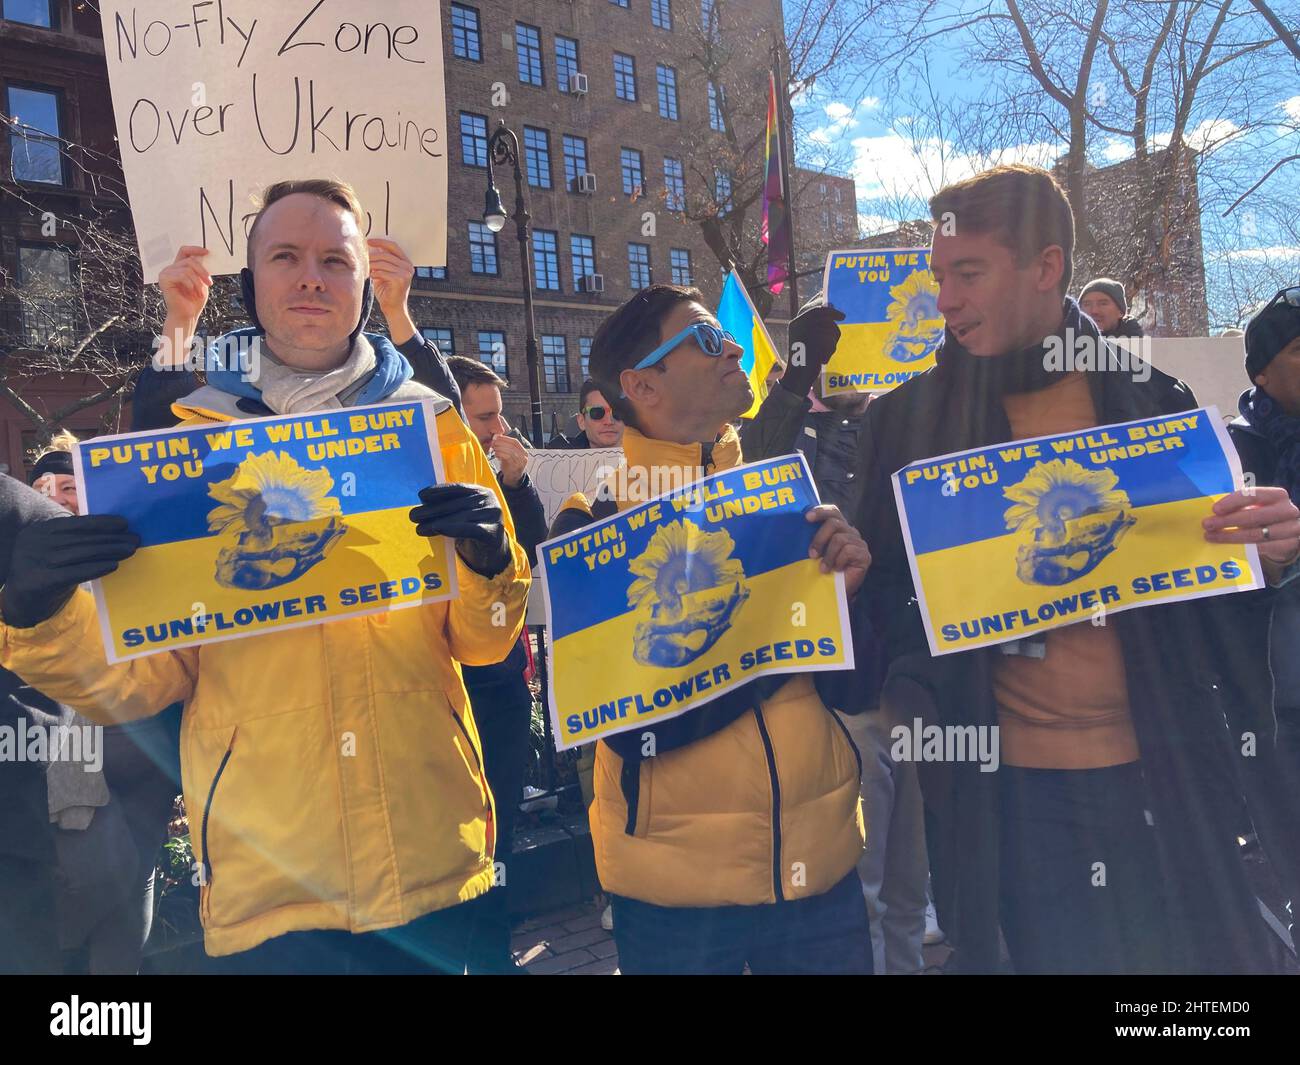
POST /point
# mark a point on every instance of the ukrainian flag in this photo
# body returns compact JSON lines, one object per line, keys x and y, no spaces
{"x":737,"y":315}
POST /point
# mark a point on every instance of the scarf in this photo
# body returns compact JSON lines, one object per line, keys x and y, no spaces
{"x":974,"y":386}
{"x":1280,"y":430}
{"x":291,"y":391}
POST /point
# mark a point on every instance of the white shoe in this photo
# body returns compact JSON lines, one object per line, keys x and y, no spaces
{"x":933,"y":933}
{"x":607,"y":919}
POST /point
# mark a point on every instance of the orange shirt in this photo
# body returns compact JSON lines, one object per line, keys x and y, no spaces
{"x":1069,"y":709}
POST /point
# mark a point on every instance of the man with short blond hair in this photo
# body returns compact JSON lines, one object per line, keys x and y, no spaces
{"x":318,"y":855}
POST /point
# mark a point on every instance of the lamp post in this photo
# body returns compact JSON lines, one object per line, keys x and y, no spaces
{"x":503,"y":150}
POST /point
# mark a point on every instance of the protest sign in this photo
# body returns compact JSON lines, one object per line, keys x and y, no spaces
{"x":1011,"y":540}
{"x":892,"y":324}
{"x":666,"y":606}
{"x":265,"y":524}
{"x":216,"y":100}
{"x":558,"y":475}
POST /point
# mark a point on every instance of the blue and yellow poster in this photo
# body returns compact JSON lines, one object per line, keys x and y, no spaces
{"x":671,"y":603}
{"x":1011,"y":540}
{"x":892,"y":325}
{"x":265,"y":524}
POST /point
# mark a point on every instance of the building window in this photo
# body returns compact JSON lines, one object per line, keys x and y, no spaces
{"x":45,"y":275}
{"x":575,"y":158}
{"x":555,"y":360}
{"x":709,"y":19}
{"x":32,"y":12}
{"x":431,"y":273}
{"x":582,"y":252}
{"x":661,"y":13}
{"x":619,"y":3}
{"x":680,"y":260}
{"x":566,"y":61}
{"x":638,"y":265}
{"x":624,"y":77}
{"x":441,"y":336}
{"x":674,"y":185}
{"x":482,"y":249}
{"x":473,"y":139}
{"x":537,"y":156}
{"x":666,"y":79}
{"x":528,"y":53}
{"x":722,"y":192}
{"x":633,"y":175}
{"x":584,"y":356}
{"x":492,"y":350}
{"x":838,"y":190}
{"x":716,"y":100}
{"x":546,"y":259}
{"x":35,"y":136}
{"x":465,"y":41}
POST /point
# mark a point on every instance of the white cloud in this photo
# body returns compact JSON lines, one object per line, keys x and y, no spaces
{"x":1211,"y":133}
{"x":871,"y":224}
{"x":1292,"y":108}
{"x":1276,"y":251}
{"x":890,"y":165}
{"x":838,"y":111}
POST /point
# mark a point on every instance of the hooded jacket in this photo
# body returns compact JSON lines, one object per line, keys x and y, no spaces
{"x":332,"y":773}
{"x":761,"y":810}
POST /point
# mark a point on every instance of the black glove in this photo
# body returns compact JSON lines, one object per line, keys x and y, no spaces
{"x":52,"y":557}
{"x":470,"y":515}
{"x":816,"y":329}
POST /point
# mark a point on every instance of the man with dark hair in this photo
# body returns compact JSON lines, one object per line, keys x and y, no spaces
{"x":1104,"y":301}
{"x":735,"y":841}
{"x":318,"y":855}
{"x":498,"y":693}
{"x":598,"y":425}
{"x":1105,"y":730}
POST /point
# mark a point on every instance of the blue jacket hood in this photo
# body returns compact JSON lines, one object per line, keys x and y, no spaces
{"x":391,"y":368}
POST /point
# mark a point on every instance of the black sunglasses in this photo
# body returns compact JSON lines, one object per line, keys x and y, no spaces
{"x":1286,"y":295}
{"x":598,"y":413}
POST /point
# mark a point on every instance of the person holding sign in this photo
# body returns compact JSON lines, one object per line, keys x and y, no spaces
{"x":1107,"y":840}
{"x":331,"y":773}
{"x":727,"y":835}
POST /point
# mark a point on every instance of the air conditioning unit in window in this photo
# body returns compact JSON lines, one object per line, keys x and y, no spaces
{"x":584,"y":183}
{"x":593,"y":283}
{"x":578,"y":84}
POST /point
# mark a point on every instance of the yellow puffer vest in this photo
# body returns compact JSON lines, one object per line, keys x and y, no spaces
{"x":764,"y":809}
{"x":332,"y":773}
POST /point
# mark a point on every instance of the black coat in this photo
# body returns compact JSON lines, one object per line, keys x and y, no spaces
{"x":1190,"y":667}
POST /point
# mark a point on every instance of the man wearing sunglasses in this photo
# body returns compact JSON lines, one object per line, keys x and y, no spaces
{"x":734,"y":843}
{"x":598,"y":425}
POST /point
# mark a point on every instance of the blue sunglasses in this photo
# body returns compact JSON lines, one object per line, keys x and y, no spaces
{"x":709,"y":337}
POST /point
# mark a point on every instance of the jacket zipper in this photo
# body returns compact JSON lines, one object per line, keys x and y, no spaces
{"x":478,"y":764}
{"x":207,"y":810}
{"x":776,"y":803}
{"x":857,"y":755}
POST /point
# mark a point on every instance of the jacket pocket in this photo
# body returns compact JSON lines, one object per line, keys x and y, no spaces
{"x":481,"y":776}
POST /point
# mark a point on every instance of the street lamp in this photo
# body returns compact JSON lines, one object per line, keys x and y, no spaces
{"x":503,"y":149}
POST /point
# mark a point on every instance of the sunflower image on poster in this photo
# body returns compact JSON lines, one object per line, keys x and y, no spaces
{"x":686,"y":595}
{"x":282,"y":517}
{"x":914,"y":314}
{"x":1068,"y":518}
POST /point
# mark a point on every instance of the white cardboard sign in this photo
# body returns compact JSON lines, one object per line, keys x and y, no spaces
{"x":216,"y":99}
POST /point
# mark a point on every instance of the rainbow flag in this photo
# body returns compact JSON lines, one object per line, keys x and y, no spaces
{"x":775,"y":231}
{"x":737,"y":315}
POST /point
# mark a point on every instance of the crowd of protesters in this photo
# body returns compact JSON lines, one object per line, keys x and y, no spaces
{"x":769,"y":829}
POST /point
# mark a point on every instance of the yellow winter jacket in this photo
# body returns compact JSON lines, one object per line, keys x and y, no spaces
{"x":332,"y":773}
{"x":766,"y":808}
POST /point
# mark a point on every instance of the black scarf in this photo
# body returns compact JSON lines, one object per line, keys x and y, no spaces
{"x":1280,"y":430}
{"x":974,"y":386}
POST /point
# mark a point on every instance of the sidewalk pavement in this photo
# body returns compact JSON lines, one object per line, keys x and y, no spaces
{"x":570,"y":942}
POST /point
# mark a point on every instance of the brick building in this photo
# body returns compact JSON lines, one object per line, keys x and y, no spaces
{"x":618,"y":127}
{"x":826,"y":218}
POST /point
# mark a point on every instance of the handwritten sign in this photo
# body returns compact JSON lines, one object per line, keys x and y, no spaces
{"x":1014,"y":539}
{"x":669,"y":604}
{"x":265,"y":524}
{"x":892,"y":325}
{"x":217,"y":99}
